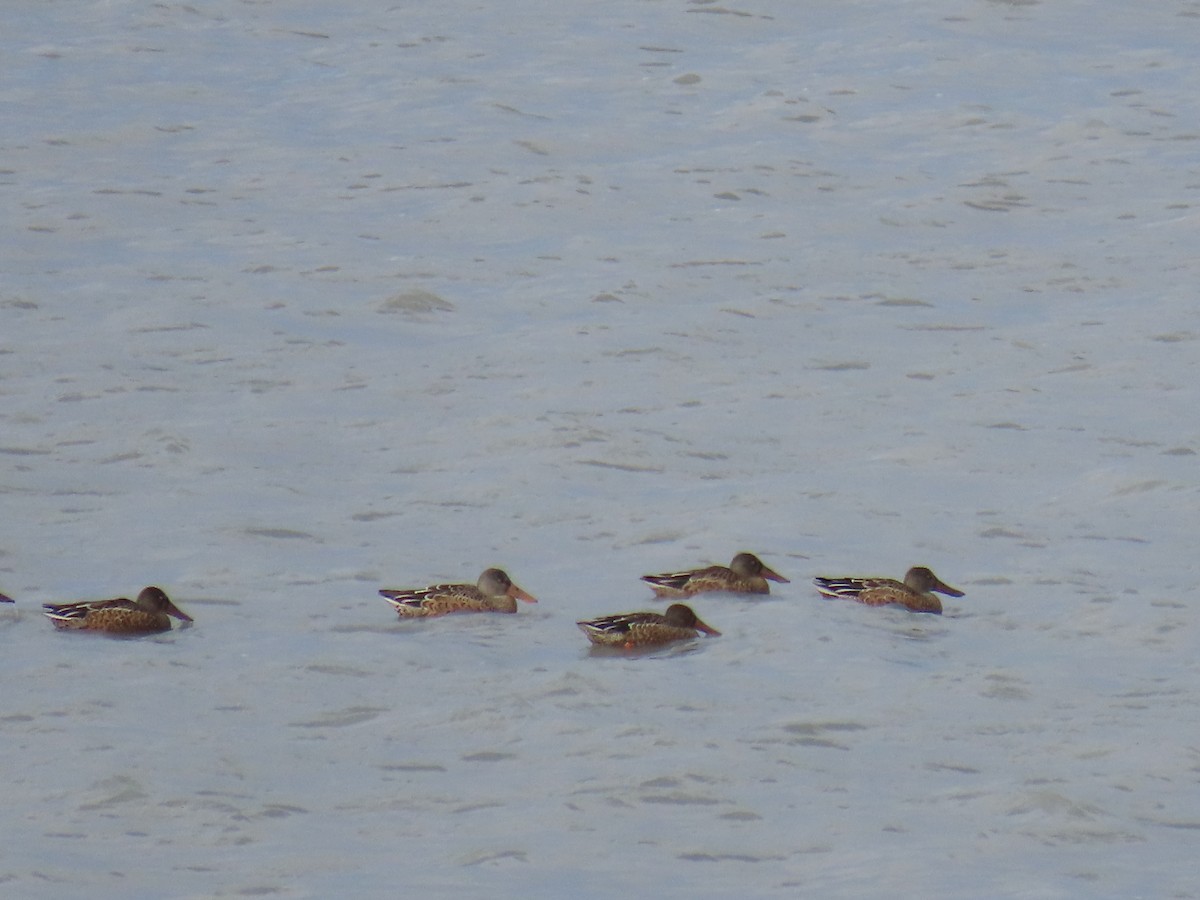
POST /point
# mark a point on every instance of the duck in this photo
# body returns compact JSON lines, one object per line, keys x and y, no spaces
{"x":915,"y":592}
{"x":746,"y":574}
{"x":150,"y":612}
{"x":493,"y":592}
{"x":646,"y":629}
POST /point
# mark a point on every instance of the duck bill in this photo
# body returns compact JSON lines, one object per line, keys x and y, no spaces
{"x":707,"y":629}
{"x":518,"y":594}
{"x":772,"y":575}
{"x":173,"y":610}
{"x":944,"y":588}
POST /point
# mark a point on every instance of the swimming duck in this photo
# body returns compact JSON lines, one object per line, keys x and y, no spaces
{"x":494,"y":592}
{"x":915,"y":592}
{"x":645,"y":629}
{"x":745,"y":575}
{"x":150,"y":612}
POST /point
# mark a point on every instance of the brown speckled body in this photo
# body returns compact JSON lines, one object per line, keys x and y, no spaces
{"x":645,"y":629}
{"x":745,"y":575}
{"x":914,"y":593}
{"x":151,"y":612}
{"x":494,"y":592}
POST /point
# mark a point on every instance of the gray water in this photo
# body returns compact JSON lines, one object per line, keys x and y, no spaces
{"x":300,"y":300}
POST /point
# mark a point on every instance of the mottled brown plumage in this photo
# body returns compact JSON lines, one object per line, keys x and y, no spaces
{"x":645,"y":629}
{"x":914,"y":593}
{"x":745,"y":575}
{"x":151,"y":612}
{"x":494,"y":592}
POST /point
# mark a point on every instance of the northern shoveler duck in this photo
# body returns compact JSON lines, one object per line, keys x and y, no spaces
{"x":494,"y":592}
{"x":645,"y":629}
{"x":915,"y":592}
{"x":150,"y":612}
{"x":745,"y":575}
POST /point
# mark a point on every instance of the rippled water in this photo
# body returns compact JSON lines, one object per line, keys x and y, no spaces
{"x":300,"y":301}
